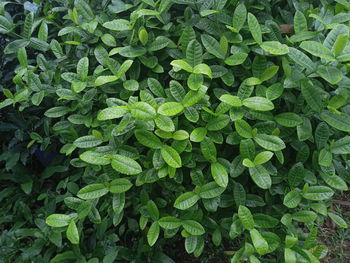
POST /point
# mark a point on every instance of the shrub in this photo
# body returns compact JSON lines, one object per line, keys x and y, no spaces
{"x":174,"y":122}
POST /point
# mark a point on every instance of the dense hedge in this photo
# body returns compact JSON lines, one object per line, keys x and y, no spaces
{"x":131,"y":129}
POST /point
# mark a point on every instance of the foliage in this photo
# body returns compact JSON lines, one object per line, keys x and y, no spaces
{"x":133,"y":125}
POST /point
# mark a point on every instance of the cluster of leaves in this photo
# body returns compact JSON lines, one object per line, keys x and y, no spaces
{"x":173,"y":121}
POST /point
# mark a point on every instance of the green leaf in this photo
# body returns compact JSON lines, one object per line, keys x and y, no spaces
{"x":269,"y":142}
{"x":263,"y":157}
{"x":301,"y":59}
{"x":311,"y":95}
{"x":254,"y":28}
{"x":203,"y":69}
{"x":246,"y":217}
{"x":143,"y":111}
{"x":102,"y":80}
{"x":57,"y":112}
{"x":258,"y":104}
{"x":153,"y":233}
{"x":317,"y":49}
{"x":169,"y":222}
{"x":212,"y":46}
{"x":338,"y":220}
{"x":243,"y":129}
{"x":231,"y":100}
{"x":208,"y":150}
{"x":152,"y":209}
{"x":334,"y":181}
{"x":289,"y":256}
{"x":186,"y":200}
{"x":171,"y":156}
{"x":288,"y":119}
{"x":125,"y":165}
{"x":304,"y":216}
{"x":117,"y":25}
{"x":181,"y":64}
{"x":218,"y":123}
{"x":124,"y":68}
{"x":92,"y":191}
{"x":219,"y":174}
{"x":292,"y":199}
{"x":194,"y":53}
{"x":83,"y":68}
{"x":300,"y":23}
{"x":330,"y":73}
{"x":58,"y":220}
{"x":193,"y":228}
{"x":339,"y":121}
{"x":318,"y":193}
{"x":132,"y":52}
{"x":155,"y":86}
{"x":192,"y":97}
{"x":170,"y":108}
{"x":72,"y":233}
{"x":325,"y":158}
{"x":148,"y":139}
{"x":87,"y":141}
{"x":119,"y":185}
{"x":260,"y":176}
{"x":95,"y":158}
{"x":239,"y":17}
{"x":211,"y":190}
{"x":236,"y":59}
{"x":274,"y":91}
{"x":110,"y":113}
{"x":198,"y":134}
{"x":340,"y":44}
{"x":259,"y":242}
{"x":275,"y":48}
{"x":341,"y":146}
{"x":296,"y":175}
